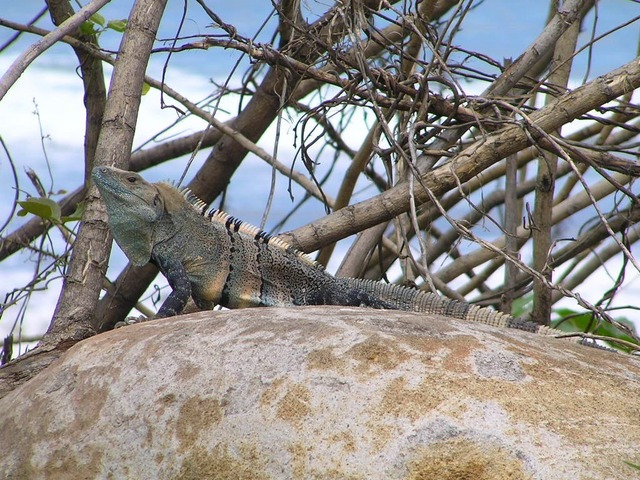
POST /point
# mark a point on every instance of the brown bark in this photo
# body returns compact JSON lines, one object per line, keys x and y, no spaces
{"x":77,"y":303}
{"x":95,"y":92}
{"x":545,"y":188}
{"x":76,"y":306}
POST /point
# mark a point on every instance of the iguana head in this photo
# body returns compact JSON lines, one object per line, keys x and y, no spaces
{"x":136,"y":209}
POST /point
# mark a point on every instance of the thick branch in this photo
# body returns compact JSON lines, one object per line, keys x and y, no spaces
{"x":468,"y":163}
{"x":77,"y":303}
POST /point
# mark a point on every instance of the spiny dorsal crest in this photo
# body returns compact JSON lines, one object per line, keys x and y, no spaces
{"x":236,"y":225}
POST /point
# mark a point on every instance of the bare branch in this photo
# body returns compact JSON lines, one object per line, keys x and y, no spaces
{"x":23,"y":61}
{"x":470,"y":162}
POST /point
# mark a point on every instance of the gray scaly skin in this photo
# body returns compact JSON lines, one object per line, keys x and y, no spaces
{"x":219,"y":260}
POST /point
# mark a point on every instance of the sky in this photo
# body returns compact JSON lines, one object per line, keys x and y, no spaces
{"x":46,"y":102}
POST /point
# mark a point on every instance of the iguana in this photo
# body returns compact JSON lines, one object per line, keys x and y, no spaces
{"x":219,"y":260}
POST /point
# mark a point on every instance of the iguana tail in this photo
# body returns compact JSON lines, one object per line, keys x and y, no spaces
{"x":402,"y":298}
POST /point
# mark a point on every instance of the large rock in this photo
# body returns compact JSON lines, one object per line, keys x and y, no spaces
{"x":326,"y":393}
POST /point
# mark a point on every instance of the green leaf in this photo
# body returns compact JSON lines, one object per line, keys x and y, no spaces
{"x":42,"y":207}
{"x":522,"y":305}
{"x":88,"y":28}
{"x":117,"y":25}
{"x":145,"y":88}
{"x":572,"y":321}
{"x":632,"y":465}
{"x":76,"y":216}
{"x":97,"y":18}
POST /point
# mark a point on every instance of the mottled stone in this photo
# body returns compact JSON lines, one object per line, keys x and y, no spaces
{"x":326,"y":393}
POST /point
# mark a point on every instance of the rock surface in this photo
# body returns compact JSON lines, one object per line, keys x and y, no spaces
{"x":326,"y":393}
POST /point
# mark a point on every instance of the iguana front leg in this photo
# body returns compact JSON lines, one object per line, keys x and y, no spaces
{"x":180,"y":285}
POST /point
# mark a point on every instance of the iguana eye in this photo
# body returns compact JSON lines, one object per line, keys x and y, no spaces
{"x":131,"y":179}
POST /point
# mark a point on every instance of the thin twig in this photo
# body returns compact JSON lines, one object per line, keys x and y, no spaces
{"x":21,"y":63}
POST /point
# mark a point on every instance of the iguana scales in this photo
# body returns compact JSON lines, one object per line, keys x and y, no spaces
{"x":219,"y":260}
